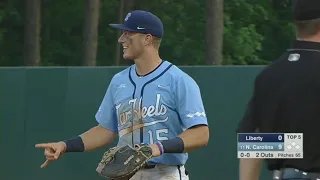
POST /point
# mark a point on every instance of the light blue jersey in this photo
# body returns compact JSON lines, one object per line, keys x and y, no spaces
{"x":170,"y":100}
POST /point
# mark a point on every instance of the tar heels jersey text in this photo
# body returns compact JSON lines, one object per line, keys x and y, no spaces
{"x":168,"y":100}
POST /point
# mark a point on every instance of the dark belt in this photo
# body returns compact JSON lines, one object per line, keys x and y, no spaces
{"x":291,"y":173}
{"x":151,"y":166}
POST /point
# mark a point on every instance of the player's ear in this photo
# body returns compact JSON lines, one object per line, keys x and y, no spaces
{"x":148,"y":39}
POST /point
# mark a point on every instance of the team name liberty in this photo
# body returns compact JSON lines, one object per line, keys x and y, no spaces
{"x":254,"y":138}
{"x":146,"y":111}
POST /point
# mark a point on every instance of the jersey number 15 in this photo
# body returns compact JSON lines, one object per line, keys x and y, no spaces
{"x":158,"y":134}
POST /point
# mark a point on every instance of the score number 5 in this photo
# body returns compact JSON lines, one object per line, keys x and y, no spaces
{"x":158,"y":135}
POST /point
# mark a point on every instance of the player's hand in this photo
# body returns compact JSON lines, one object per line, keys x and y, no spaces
{"x":52,"y":151}
{"x":155,"y":150}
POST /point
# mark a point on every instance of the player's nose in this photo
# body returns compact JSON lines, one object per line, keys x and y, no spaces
{"x":121,"y":39}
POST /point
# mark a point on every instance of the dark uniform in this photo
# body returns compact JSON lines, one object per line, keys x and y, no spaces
{"x":286,"y":99}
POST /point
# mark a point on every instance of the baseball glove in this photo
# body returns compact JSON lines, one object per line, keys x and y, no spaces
{"x":123,"y":162}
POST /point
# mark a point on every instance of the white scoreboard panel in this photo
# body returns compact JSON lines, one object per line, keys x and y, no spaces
{"x":270,"y":145}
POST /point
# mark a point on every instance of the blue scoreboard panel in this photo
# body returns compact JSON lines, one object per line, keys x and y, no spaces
{"x":270,"y":145}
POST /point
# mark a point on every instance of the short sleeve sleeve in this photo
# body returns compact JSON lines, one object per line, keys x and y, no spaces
{"x":189,"y":103}
{"x":106,"y":114}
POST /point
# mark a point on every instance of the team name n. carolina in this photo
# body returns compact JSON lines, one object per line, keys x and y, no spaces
{"x":266,"y":147}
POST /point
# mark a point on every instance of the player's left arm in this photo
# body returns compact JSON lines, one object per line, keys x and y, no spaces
{"x":192,"y":113}
{"x":190,"y":109}
{"x":195,"y":137}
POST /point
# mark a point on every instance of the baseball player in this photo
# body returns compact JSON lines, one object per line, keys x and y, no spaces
{"x":173,"y":121}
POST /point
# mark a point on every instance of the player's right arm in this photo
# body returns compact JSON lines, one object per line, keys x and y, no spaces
{"x":101,"y":135}
{"x":97,"y":137}
{"x":93,"y":139}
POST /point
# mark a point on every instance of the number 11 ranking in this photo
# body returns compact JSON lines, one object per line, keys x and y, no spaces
{"x":270,"y":145}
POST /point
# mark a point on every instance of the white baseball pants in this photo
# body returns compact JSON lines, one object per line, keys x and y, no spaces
{"x":161,"y":172}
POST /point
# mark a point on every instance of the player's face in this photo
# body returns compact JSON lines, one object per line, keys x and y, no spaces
{"x":132,"y":45}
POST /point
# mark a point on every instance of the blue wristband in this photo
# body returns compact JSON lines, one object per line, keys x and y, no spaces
{"x":175,"y":145}
{"x":74,"y":144}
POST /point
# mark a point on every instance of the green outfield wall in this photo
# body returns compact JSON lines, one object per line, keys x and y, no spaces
{"x":50,"y":104}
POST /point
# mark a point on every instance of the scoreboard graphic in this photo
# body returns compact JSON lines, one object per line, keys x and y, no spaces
{"x":270,"y":145}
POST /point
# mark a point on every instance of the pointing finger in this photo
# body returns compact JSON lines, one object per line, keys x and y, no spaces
{"x":43,"y":145}
{"x":45,"y":164}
